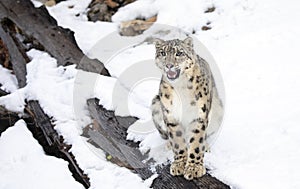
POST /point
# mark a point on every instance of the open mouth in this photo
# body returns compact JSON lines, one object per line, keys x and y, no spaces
{"x":173,"y":74}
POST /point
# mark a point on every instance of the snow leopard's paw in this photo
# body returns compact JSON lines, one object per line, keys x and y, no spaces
{"x":177,"y":167}
{"x":193,"y":170}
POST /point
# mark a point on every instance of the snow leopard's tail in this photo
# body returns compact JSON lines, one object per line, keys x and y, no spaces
{"x":215,"y":116}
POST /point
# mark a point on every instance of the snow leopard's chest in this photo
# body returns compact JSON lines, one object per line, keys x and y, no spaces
{"x":183,"y":108}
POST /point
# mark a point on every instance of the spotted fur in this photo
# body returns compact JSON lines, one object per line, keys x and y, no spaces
{"x":180,"y":111}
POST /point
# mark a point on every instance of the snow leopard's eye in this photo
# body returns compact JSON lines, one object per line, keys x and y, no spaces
{"x":179,"y":53}
{"x":162,"y":53}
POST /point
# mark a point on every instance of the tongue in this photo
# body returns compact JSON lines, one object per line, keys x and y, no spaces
{"x":171,"y":74}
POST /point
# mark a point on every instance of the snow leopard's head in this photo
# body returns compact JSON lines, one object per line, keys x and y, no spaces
{"x":174,"y":57}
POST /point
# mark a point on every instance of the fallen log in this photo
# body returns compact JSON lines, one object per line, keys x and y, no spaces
{"x":109,"y":135}
{"x":16,"y":56}
{"x":7,"y":119}
{"x":166,"y":181}
{"x":40,"y":27}
{"x":53,"y":144}
{"x":37,"y":121}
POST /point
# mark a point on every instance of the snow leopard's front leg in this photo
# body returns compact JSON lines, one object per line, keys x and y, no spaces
{"x":178,"y":143}
{"x":196,"y":148}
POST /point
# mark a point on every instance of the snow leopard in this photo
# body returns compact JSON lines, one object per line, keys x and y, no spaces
{"x":180,"y":110}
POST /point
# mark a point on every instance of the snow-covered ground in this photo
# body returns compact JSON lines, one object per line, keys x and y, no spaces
{"x":255,"y":45}
{"x":25,"y":165}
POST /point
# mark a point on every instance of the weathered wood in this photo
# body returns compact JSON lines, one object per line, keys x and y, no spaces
{"x":15,"y":56}
{"x":135,"y":27}
{"x":7,"y":119}
{"x":57,"y":41}
{"x":166,"y":181}
{"x":4,"y":56}
{"x":126,"y":121}
{"x":43,"y":123}
{"x":110,"y":136}
{"x":103,"y":10}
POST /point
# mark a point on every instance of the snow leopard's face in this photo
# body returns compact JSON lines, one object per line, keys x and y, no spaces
{"x":173,"y":57}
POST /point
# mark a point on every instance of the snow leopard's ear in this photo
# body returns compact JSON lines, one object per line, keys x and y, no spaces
{"x":158,"y":42}
{"x":188,"y":42}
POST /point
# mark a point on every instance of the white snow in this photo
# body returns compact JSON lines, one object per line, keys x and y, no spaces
{"x":23,"y":163}
{"x":255,"y":44}
{"x":257,"y":147}
{"x":54,"y":88}
{"x":8,"y":80}
{"x":188,"y":15}
{"x":72,"y":14}
{"x":14,"y":101}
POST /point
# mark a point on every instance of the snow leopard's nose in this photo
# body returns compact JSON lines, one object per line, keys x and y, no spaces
{"x":169,"y":66}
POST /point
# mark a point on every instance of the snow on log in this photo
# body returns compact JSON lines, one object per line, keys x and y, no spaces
{"x":109,"y":134}
{"x":41,"y":27}
{"x":41,"y":31}
{"x":39,"y":123}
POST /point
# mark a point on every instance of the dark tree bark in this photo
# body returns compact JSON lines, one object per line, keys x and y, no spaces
{"x":111,"y":137}
{"x":16,"y":56}
{"x":7,"y":119}
{"x":37,"y":24}
{"x":53,"y":144}
{"x":37,"y":121}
